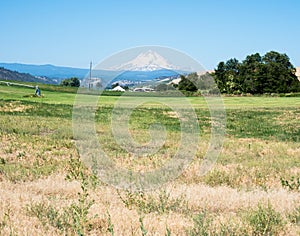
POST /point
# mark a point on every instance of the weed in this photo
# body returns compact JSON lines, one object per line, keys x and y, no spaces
{"x":6,"y":222}
{"x":142,"y":227}
{"x":79,"y":214}
{"x":9,"y":149}
{"x":18,"y":172}
{"x":79,"y":211}
{"x":74,"y":217}
{"x":265,"y":220}
{"x":168,"y":231}
{"x":202,"y":225}
{"x":292,"y":184}
{"x":110,"y":227}
{"x":232,"y":230}
{"x":21,"y":154}
{"x":47,"y":214}
{"x":163,"y":203}
{"x":294,"y":217}
{"x":77,"y":171}
{"x":2,"y":161}
{"x":217,"y":177}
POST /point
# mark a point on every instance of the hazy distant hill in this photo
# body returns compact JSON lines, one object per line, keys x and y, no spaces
{"x":6,"y":74}
{"x":59,"y":73}
{"x":50,"y":71}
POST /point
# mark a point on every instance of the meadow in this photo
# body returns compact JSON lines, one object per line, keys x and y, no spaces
{"x":45,"y":189}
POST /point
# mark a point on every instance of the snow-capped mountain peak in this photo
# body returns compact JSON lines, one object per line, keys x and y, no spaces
{"x":146,"y":61}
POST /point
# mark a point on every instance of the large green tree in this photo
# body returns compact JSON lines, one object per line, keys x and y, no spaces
{"x":279,"y":73}
{"x":271,"y":73}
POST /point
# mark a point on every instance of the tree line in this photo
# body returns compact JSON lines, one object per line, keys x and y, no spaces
{"x":270,"y":73}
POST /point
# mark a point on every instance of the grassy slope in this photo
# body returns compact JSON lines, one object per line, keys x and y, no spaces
{"x":262,"y":145}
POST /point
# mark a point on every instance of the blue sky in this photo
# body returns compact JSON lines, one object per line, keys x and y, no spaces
{"x":73,"y":33}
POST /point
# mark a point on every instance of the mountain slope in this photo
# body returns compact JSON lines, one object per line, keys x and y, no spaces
{"x":6,"y":74}
{"x":50,"y":71}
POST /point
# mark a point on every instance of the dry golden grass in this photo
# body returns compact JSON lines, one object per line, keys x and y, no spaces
{"x":224,"y":202}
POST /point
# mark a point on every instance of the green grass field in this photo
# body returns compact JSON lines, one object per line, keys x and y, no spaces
{"x":253,"y":188}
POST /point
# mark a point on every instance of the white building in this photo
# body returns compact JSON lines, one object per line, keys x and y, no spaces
{"x":118,"y":88}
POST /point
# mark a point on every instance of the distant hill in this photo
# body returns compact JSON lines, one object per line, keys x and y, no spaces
{"x":50,"y":71}
{"x":59,"y":73}
{"x":6,"y":74}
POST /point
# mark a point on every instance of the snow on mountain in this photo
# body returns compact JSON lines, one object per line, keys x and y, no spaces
{"x":146,"y":61}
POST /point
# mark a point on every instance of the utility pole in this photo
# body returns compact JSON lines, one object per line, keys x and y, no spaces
{"x":90,"y":80}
